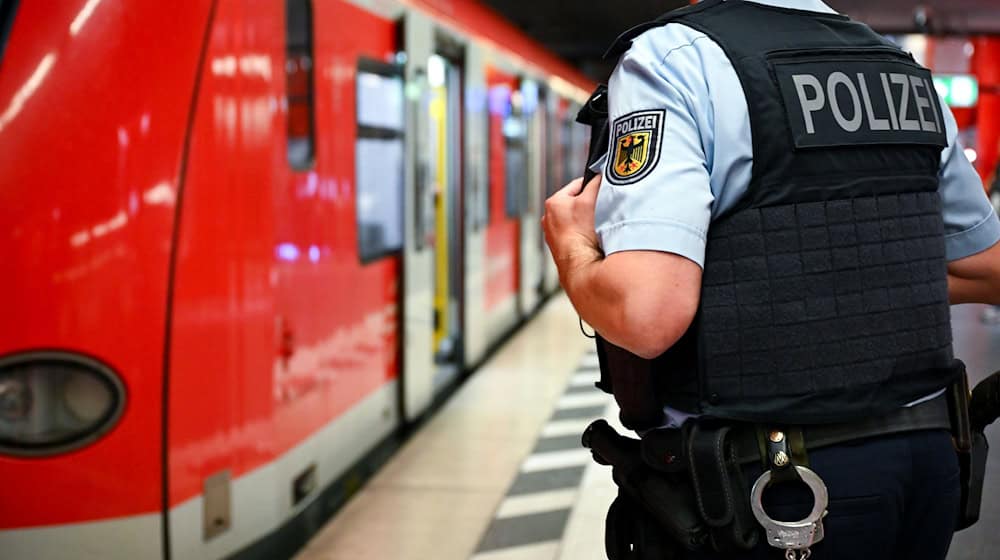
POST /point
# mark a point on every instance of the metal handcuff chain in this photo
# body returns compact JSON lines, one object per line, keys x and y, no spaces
{"x":798,"y":555}
{"x":794,"y":537}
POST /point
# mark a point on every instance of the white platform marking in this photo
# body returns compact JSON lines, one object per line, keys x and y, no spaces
{"x":565,"y":428}
{"x":556,"y":460}
{"x":527,"y":504}
{"x":585,"y":379}
{"x":537,"y":551}
{"x":589,"y":360}
{"x":583,"y":400}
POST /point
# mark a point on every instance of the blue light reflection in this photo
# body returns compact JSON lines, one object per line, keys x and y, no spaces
{"x":288,"y":252}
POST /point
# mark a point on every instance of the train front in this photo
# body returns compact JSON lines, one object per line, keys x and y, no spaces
{"x":94,"y":106}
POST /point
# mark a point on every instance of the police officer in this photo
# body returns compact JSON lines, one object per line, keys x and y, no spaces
{"x":786,"y":206}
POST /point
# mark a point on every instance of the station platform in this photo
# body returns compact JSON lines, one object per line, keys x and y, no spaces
{"x":499,"y":473}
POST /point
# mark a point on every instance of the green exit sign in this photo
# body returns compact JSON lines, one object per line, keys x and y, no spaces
{"x":958,"y":90}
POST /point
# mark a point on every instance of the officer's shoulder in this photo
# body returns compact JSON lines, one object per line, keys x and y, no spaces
{"x":663,"y":25}
{"x":659,"y":43}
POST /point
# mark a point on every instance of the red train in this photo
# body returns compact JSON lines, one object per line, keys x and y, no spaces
{"x":244,"y":243}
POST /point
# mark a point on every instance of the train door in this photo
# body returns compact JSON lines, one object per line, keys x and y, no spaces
{"x":444,"y":156}
{"x":532,"y":157}
{"x":433,"y":252}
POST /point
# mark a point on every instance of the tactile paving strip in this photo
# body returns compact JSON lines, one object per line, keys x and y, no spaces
{"x":531,"y":520}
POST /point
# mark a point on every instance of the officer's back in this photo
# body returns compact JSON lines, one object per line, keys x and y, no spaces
{"x":785,"y":192}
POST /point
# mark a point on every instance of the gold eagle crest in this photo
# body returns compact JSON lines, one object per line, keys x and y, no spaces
{"x":635,"y":147}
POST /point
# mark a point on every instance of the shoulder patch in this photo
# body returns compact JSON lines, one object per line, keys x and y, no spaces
{"x":635,"y":146}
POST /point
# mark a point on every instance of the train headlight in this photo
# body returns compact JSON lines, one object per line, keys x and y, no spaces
{"x":15,"y":399}
{"x":54,"y":402}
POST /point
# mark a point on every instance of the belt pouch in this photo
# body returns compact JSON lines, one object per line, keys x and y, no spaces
{"x":722,"y":497}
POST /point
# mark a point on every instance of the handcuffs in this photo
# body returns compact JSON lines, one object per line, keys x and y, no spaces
{"x":794,"y":537}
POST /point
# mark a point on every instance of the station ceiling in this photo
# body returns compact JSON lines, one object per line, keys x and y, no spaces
{"x":581,"y":30}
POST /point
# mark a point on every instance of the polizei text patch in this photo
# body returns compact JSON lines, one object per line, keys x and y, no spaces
{"x":855,"y":102}
{"x":635,"y":146}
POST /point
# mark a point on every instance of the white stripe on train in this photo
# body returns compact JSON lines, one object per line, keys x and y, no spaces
{"x":261,"y":499}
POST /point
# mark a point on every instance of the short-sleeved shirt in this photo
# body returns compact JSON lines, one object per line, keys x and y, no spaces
{"x":706,"y":156}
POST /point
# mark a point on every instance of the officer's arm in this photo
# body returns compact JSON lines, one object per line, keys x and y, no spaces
{"x":976,"y":279}
{"x":642,"y":301}
{"x":971,"y":227}
{"x":654,"y":207}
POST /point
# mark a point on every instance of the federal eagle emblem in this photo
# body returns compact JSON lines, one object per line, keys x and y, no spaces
{"x":633,"y":151}
{"x":636,"y":146}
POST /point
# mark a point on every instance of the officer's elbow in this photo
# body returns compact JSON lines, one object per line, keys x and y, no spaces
{"x":653,"y":327}
{"x":658,"y":298}
{"x":976,"y":278}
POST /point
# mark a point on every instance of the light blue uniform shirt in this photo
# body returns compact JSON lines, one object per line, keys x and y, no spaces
{"x":706,"y":153}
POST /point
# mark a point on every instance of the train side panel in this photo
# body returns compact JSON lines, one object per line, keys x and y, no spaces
{"x":284,"y":354}
{"x":503,"y":231}
{"x":281,"y":364}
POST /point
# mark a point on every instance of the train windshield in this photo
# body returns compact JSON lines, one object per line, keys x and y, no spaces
{"x":7,"y":10}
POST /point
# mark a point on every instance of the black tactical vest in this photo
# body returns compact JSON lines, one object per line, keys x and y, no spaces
{"x":825,"y":295}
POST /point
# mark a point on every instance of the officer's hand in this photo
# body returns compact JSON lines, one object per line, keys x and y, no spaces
{"x":569,"y":226}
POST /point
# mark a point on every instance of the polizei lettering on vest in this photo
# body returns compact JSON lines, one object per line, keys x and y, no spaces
{"x":845,"y":102}
{"x":813,"y":97}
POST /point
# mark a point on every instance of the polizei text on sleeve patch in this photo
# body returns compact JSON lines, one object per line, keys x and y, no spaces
{"x":635,"y":146}
{"x":849,"y":102}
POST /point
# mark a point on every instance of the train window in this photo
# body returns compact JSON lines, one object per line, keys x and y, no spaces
{"x":498,"y":114}
{"x":7,"y":10}
{"x":379,"y":158}
{"x":299,"y":83}
{"x":515,"y":157}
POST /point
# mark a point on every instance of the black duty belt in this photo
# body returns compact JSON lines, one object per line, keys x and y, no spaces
{"x":689,"y":480}
{"x":664,"y":449}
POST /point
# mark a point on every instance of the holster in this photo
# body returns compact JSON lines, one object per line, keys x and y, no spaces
{"x":630,"y":533}
{"x":687,"y":482}
{"x":665,"y":499}
{"x":971,"y":412}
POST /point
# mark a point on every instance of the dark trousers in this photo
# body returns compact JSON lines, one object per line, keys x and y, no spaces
{"x":891,"y":498}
